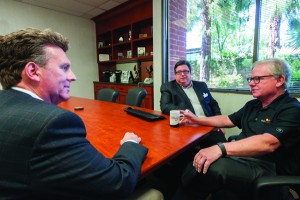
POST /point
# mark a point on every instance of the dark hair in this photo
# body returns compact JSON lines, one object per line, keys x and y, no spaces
{"x":20,"y":47}
{"x":182,"y":62}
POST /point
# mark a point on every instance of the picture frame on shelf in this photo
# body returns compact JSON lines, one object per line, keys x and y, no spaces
{"x":100,"y":44}
{"x":103,"y":57}
{"x":125,"y":76}
{"x":129,"y":55}
{"x":141,"y":51}
{"x":120,"y":55}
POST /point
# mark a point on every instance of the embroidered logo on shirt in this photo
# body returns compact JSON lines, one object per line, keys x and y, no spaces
{"x":279,"y":130}
{"x":205,"y":95}
{"x":267,"y":121}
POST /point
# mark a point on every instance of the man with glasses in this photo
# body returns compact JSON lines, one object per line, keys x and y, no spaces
{"x":194,"y":96}
{"x":267,"y":145}
{"x":183,"y":93}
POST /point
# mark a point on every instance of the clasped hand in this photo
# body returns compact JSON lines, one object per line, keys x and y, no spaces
{"x":129,"y":136}
{"x":205,"y":157}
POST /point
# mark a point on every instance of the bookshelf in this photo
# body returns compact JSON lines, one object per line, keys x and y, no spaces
{"x":125,"y":35}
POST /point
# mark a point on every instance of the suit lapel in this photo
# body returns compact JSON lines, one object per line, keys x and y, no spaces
{"x":181,"y":92}
{"x":184,"y":96}
{"x":199,"y":92}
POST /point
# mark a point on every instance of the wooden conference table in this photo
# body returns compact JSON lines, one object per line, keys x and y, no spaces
{"x":106,"y":124}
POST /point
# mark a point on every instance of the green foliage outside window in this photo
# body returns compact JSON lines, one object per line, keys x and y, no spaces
{"x":225,"y":53}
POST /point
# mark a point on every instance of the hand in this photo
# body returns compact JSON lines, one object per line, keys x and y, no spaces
{"x":221,"y":130}
{"x":187,"y":117}
{"x":129,"y":136}
{"x":205,"y":157}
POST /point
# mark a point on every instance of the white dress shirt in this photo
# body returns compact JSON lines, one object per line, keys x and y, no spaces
{"x":190,"y":92}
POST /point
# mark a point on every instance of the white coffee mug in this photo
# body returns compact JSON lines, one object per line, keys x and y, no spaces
{"x":174,"y":118}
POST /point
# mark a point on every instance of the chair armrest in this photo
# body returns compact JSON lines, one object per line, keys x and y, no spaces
{"x":277,"y":181}
{"x":232,"y":137}
{"x":268,"y":181}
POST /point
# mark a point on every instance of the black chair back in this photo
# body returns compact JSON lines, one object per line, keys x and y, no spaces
{"x":107,"y":94}
{"x":135,"y":96}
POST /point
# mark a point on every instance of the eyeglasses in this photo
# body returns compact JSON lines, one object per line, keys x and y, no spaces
{"x":185,"y":72}
{"x":256,"y":79}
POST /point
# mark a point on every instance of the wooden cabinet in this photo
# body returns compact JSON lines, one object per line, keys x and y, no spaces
{"x":124,"y":35}
{"x":122,"y":44}
{"x":123,"y":89}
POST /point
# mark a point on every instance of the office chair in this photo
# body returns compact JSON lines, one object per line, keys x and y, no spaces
{"x":135,"y":96}
{"x":107,"y":94}
{"x":293,"y":182}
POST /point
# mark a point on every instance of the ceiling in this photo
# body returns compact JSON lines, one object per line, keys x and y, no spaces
{"x":81,"y":8}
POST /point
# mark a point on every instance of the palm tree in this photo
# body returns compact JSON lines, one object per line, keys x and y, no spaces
{"x":211,"y":13}
{"x":205,"y":55}
{"x":276,"y":10}
{"x":294,"y":25}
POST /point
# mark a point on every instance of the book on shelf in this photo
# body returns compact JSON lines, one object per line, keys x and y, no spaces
{"x":103,"y":57}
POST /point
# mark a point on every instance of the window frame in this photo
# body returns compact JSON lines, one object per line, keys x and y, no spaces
{"x":165,"y":47}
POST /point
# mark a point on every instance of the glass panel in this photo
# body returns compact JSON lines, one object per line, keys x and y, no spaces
{"x":280,"y":35}
{"x":217,"y":37}
{"x":218,"y":40}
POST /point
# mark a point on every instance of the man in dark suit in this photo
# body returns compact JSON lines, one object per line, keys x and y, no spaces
{"x":183,"y":93}
{"x":193,"y":96}
{"x":44,"y":153}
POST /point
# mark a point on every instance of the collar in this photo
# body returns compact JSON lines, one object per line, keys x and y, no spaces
{"x":27,"y":92}
{"x":275,"y":103}
{"x":189,"y":86}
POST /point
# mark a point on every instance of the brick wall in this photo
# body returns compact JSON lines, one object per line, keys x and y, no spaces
{"x":177,"y":33}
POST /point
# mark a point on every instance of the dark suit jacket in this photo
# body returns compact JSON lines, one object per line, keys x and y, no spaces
{"x":44,"y":154}
{"x":174,"y":98}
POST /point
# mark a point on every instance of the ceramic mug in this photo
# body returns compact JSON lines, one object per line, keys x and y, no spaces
{"x":174,"y":118}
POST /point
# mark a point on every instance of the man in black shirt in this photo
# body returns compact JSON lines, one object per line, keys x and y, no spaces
{"x":268,"y":144}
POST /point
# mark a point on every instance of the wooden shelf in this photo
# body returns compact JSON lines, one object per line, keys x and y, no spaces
{"x":132,"y":23}
{"x":121,"y":43}
{"x":126,"y":60}
{"x":142,"y":39}
{"x":105,"y":47}
{"x":137,"y":34}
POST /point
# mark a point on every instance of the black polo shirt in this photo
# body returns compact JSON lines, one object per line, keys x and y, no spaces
{"x":281,"y":118}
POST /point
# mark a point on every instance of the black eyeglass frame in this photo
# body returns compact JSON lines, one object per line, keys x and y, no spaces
{"x":256,"y":79}
{"x":185,"y":72}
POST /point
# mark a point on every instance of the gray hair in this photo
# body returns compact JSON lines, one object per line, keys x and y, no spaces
{"x":278,"y":67}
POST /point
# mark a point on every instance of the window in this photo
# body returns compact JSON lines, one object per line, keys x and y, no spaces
{"x":222,"y":38}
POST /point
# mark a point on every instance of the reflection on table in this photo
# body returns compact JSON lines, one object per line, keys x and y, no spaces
{"x":107,"y":122}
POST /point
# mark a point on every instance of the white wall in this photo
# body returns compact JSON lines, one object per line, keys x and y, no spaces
{"x":80,"y":32}
{"x":157,"y":52}
{"x":229,"y":103}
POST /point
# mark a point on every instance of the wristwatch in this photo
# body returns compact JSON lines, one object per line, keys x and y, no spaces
{"x":222,"y":147}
